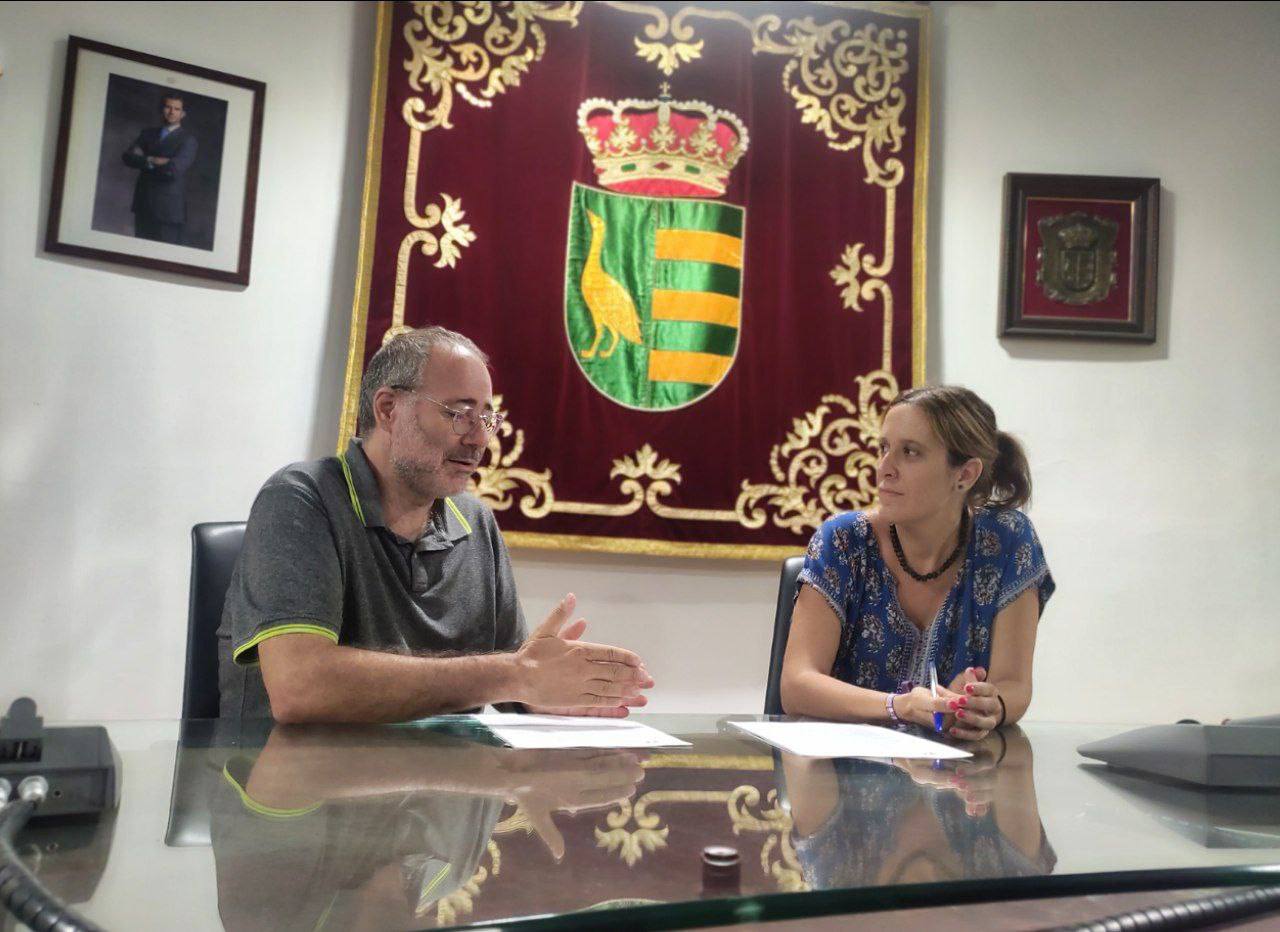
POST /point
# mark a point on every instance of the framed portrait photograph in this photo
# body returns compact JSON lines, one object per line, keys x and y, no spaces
{"x":1078,"y":257}
{"x":157,"y":163}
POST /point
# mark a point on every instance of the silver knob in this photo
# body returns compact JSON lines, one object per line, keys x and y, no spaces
{"x":33,"y":789}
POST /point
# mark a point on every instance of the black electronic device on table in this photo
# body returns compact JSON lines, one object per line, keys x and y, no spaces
{"x":1240,"y":754}
{"x":55,"y":775}
{"x":77,"y":762}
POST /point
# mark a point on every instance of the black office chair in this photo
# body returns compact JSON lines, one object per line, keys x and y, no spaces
{"x":214,"y":549}
{"x":781,"y":628}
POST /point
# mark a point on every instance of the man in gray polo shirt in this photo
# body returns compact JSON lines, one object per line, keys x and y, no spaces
{"x":371,"y":589}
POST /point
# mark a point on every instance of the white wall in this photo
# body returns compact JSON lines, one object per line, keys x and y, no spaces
{"x":134,"y":405}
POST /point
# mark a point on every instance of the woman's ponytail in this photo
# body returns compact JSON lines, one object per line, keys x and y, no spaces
{"x":1010,"y":473}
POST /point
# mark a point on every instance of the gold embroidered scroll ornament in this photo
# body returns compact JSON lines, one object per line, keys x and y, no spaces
{"x":777,"y":855}
{"x":823,"y":466}
{"x":477,"y":51}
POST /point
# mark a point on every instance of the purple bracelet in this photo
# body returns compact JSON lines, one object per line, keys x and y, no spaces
{"x":888,"y":704}
{"x":904,"y":686}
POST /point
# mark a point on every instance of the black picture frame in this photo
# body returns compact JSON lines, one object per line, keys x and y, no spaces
{"x":1079,"y":257}
{"x":105,"y":90}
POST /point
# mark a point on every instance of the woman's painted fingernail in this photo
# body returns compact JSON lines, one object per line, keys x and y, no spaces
{"x":953,"y":704}
{"x":969,"y":689}
{"x":960,"y":714}
{"x":964,"y":702}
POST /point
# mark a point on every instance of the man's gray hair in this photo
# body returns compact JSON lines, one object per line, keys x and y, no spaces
{"x":402,"y":361}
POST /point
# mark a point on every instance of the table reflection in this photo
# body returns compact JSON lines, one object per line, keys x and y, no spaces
{"x":411,"y":827}
{"x":860,"y":823}
{"x":365,"y":828}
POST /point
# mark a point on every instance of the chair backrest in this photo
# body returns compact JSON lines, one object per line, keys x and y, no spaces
{"x":214,"y":549}
{"x":781,"y":628}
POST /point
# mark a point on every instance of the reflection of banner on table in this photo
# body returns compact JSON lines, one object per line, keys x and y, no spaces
{"x":570,"y":185}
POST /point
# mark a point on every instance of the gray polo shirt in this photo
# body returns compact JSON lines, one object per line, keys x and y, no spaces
{"x":317,"y":558}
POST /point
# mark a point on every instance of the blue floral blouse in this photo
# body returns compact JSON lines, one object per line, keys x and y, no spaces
{"x":880,"y":648}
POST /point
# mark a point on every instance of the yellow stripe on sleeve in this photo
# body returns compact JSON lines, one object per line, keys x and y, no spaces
{"x":268,"y":633}
{"x":699,"y":246}
{"x":269,"y":811}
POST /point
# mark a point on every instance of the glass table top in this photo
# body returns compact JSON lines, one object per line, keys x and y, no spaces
{"x":434,"y":824}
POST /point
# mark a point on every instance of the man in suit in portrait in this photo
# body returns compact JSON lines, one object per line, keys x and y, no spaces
{"x":162,"y":155}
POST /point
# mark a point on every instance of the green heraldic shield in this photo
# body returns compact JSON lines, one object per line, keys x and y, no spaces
{"x":653,"y":295}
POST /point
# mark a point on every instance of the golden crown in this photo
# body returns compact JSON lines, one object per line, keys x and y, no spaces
{"x":662,"y":147}
{"x":1077,"y":236}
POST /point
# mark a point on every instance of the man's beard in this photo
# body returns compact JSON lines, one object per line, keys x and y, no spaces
{"x":427,"y":483}
{"x":417,"y":478}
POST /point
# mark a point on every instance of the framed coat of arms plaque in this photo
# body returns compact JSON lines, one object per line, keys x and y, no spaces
{"x":1079,"y":257}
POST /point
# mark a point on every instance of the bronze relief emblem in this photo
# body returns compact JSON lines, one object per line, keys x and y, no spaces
{"x":1077,"y":263}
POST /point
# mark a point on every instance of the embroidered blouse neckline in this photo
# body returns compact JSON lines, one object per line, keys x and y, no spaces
{"x":891,"y":581}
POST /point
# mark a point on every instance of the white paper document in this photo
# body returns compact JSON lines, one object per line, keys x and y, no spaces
{"x":563,"y":731}
{"x":833,"y":739}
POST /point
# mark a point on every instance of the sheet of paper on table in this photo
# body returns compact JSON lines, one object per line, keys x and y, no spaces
{"x":833,"y":739}
{"x":563,"y":731}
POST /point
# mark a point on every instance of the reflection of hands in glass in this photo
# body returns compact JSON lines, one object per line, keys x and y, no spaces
{"x":972,"y":780}
{"x":542,"y":782}
{"x":1000,"y":766}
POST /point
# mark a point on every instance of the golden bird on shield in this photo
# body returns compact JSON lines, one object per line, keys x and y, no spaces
{"x":608,"y":301}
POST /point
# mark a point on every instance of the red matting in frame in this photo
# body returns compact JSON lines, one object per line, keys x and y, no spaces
{"x":1118,"y":304}
{"x":474,"y":151}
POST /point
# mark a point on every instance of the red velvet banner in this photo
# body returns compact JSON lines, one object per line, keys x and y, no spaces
{"x":691,"y":239}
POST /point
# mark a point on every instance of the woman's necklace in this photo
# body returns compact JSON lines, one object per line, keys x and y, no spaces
{"x":925,"y":577}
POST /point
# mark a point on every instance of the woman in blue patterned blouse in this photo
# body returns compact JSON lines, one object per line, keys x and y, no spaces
{"x":945,"y":572}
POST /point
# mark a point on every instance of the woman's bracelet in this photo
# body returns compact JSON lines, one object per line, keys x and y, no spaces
{"x":888,"y":706}
{"x":1004,"y":713}
{"x":1004,"y":747}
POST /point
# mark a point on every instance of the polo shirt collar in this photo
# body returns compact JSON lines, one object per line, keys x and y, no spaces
{"x":363,"y":485}
{"x":448,"y":525}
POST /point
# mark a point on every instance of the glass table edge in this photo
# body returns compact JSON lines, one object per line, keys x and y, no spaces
{"x":773,"y":907}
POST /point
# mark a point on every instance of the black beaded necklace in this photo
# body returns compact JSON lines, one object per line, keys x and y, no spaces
{"x":925,"y":577}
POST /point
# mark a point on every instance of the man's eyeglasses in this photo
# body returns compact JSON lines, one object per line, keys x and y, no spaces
{"x":464,"y":421}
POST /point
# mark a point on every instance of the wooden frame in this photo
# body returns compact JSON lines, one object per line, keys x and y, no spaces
{"x":1078,"y":257}
{"x":190,"y":185}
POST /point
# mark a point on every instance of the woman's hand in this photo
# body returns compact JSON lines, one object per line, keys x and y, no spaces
{"x":977,"y":711}
{"x":966,"y":676}
{"x":919,"y":705}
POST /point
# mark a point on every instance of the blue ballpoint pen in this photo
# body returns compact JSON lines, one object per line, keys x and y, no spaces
{"x":933,"y":687}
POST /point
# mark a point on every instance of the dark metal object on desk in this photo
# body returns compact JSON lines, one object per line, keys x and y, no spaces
{"x":721,"y":871}
{"x":50,"y":772}
{"x":1209,"y":755}
{"x":78,"y":762}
